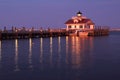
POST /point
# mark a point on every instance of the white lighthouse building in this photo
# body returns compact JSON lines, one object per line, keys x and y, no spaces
{"x":79,"y":22}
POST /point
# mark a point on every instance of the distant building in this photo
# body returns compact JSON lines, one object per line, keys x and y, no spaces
{"x":79,"y":22}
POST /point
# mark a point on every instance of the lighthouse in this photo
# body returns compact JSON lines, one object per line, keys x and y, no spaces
{"x":79,"y":22}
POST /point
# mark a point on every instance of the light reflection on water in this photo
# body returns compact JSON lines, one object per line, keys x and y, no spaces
{"x":51,"y":50}
{"x":76,"y":48}
{"x":30,"y":54}
{"x":0,"y":54}
{"x":47,"y":53}
{"x":67,"y":49}
{"x":41,"y":50}
{"x":73,"y":49}
{"x":16,"y":56}
{"x":60,"y":58}
{"x":59,"y":51}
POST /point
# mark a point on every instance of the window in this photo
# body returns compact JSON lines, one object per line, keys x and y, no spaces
{"x":75,"y":21}
{"x":75,"y":26}
{"x":69,"y":26}
{"x":80,"y":26}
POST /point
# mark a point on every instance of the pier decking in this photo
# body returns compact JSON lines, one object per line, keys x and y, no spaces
{"x":99,"y":32}
{"x":22,"y":34}
{"x":32,"y":33}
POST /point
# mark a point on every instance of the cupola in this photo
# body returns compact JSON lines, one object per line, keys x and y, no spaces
{"x":79,"y":14}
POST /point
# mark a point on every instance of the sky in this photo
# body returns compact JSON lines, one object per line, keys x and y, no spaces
{"x":54,"y":13}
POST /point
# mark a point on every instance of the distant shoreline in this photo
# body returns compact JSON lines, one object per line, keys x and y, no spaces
{"x":115,"y":29}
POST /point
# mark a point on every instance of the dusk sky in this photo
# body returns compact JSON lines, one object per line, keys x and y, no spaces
{"x":54,"y":13}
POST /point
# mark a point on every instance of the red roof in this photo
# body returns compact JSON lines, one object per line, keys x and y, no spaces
{"x":71,"y":21}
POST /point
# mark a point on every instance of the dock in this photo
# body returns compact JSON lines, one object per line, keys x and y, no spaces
{"x":24,"y":33}
{"x":99,"y":31}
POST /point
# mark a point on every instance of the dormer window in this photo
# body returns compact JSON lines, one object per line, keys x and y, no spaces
{"x":75,"y":21}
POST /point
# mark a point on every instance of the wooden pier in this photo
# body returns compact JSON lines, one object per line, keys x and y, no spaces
{"x":99,"y":32}
{"x":24,"y":33}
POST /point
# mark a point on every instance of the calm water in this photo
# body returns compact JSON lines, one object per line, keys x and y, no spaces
{"x":61,"y":58}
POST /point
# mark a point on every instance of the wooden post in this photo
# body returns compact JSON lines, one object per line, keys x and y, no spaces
{"x":30,"y":33}
{"x":5,"y":29}
{"x":32,"y":29}
{"x":41,"y":32}
{"x":16,"y":34}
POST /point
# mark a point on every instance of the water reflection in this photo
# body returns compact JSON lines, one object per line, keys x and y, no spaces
{"x":51,"y":49}
{"x":66,"y":49}
{"x":59,"y":44}
{"x":16,"y":55}
{"x":59,"y":51}
{"x":41,"y":50}
{"x":76,"y":54}
{"x":77,"y":51}
{"x":78,"y":48}
{"x":30,"y":54}
{"x":91,"y":43}
{"x":0,"y":53}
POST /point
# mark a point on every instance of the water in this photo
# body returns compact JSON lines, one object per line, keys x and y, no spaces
{"x":61,"y":58}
